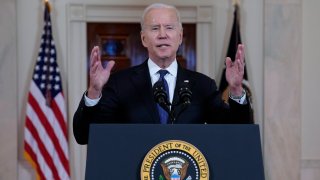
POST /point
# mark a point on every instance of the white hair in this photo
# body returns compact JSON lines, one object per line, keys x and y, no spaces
{"x":159,"y":6}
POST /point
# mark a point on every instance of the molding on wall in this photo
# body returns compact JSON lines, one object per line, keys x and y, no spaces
{"x":201,"y":15}
{"x":310,"y":163}
{"x":132,"y":13}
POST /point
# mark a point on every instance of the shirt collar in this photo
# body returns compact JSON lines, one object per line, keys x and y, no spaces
{"x":154,"y":68}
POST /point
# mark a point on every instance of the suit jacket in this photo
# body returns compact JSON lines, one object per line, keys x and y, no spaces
{"x":128,"y":98}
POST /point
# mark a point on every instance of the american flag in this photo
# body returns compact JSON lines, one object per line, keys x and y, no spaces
{"x":45,"y":132}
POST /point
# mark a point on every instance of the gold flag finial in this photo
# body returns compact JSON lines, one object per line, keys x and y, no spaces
{"x":235,"y":2}
{"x":47,"y":3}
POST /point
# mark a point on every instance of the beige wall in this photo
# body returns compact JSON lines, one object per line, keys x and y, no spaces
{"x":8,"y":90}
{"x":310,"y":82}
{"x":282,"y":88}
{"x":310,"y":90}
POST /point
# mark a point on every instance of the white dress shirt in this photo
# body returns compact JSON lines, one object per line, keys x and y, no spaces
{"x":170,"y":77}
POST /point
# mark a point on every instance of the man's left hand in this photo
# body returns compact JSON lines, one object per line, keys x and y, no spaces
{"x":235,"y":71}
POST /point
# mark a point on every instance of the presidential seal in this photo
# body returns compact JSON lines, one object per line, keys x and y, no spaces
{"x":174,"y":160}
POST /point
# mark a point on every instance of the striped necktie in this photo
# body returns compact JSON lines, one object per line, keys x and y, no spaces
{"x":162,"y":113}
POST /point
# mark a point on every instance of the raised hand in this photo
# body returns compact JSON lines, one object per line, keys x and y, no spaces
{"x":98,"y":74}
{"x":235,"y":71}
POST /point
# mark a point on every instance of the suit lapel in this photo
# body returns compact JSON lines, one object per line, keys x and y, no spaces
{"x":181,"y":76}
{"x":142,"y":83}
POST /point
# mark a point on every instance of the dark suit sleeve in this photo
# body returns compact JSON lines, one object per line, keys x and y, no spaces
{"x":106,"y":111}
{"x":240,"y":113}
{"x":81,"y":122}
{"x":227,"y":113}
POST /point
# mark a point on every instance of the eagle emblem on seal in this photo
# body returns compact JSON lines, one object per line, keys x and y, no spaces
{"x":174,"y":168}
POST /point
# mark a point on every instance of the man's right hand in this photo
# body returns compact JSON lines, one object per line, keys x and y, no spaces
{"x":98,"y":75}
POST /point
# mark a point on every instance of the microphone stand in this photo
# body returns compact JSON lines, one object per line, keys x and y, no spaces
{"x":184,"y":97}
{"x":161,"y":97}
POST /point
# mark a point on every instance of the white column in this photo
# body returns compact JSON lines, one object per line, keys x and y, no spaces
{"x":282,"y":89}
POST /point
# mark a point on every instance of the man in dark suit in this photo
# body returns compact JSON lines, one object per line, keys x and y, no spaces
{"x":127,"y":96}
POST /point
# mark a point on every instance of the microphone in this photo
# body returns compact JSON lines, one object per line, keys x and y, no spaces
{"x":185,"y":93}
{"x":160,"y":96}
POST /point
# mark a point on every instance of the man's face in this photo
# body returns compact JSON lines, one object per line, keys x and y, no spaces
{"x":161,"y":34}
